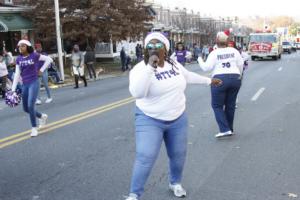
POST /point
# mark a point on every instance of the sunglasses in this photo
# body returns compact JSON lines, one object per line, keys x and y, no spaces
{"x":154,"y":46}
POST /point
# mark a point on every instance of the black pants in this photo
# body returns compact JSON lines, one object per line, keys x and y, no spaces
{"x":124,"y":65}
{"x":91,"y":69}
{"x":77,"y":79}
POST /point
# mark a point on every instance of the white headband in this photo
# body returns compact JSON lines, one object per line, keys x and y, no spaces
{"x":26,"y":42}
{"x":158,"y":36}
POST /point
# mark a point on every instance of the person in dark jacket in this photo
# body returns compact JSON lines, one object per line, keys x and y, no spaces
{"x":124,"y":60}
{"x":89,"y":60}
{"x":139,"y":52}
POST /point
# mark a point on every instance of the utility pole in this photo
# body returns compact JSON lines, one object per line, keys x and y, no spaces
{"x":58,"y":38}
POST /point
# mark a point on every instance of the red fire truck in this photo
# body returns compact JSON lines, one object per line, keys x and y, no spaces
{"x":263,"y":45}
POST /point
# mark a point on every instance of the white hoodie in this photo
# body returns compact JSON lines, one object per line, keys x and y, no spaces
{"x":159,"y":92}
{"x":223,"y":61}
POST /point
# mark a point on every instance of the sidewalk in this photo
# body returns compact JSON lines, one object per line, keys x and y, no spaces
{"x":103,"y":71}
{"x":69,"y":80}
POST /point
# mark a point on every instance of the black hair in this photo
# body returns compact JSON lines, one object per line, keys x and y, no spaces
{"x":30,"y":49}
{"x":179,"y":43}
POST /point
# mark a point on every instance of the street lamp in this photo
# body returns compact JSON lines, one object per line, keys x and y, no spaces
{"x":58,"y":38}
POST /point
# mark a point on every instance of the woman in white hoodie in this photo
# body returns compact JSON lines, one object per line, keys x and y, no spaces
{"x":227,"y":65}
{"x":158,"y":84}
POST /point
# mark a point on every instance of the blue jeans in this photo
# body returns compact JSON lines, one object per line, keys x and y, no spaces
{"x":150,"y":133}
{"x":223,"y":100}
{"x":29,"y":96}
{"x":44,"y":79}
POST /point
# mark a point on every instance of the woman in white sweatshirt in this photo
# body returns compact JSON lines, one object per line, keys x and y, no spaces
{"x":158,"y":84}
{"x":227,"y":65}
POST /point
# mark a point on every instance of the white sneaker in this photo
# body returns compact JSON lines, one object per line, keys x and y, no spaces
{"x":38,"y":102}
{"x":228,"y":133}
{"x":48,"y":100}
{"x":43,"y":120}
{"x":132,"y":197}
{"x":178,"y":190}
{"x":34,"y":132}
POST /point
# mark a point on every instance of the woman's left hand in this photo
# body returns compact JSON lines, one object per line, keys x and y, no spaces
{"x":40,"y":74}
{"x":216,"y":82}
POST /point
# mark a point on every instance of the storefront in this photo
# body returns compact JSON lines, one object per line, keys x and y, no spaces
{"x":13,"y":27}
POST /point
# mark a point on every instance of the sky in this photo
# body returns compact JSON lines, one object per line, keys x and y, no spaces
{"x":239,"y":8}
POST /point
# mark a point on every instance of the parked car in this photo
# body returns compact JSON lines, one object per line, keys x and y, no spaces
{"x":287,"y":47}
{"x":294,"y":46}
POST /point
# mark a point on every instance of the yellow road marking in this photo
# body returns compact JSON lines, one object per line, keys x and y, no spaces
{"x":14,"y":136}
{"x":64,"y":122}
{"x":14,"y":141}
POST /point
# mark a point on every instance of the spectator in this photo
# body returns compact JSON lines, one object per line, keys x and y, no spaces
{"x":89,"y":60}
{"x":124,"y":60}
{"x":197,"y":52}
{"x":44,"y":77}
{"x":53,"y":72}
{"x":10,"y":63}
{"x":78,"y":66}
{"x":139,"y":52}
{"x":3,"y":74}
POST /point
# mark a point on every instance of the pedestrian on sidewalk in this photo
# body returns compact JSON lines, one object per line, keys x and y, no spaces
{"x":139,"y":52}
{"x":89,"y":59}
{"x":44,"y":77}
{"x":205,"y":52}
{"x":54,"y":74}
{"x":227,"y":65}
{"x":197,"y":51}
{"x":10,"y":64}
{"x":78,"y":66}
{"x":3,"y":74}
{"x":27,"y":68}
{"x":158,"y":84}
{"x":124,"y":59}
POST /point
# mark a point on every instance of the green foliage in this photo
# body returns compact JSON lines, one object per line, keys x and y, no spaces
{"x":294,"y":29}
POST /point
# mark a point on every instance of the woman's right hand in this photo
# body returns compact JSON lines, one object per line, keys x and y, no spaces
{"x":216,"y":82}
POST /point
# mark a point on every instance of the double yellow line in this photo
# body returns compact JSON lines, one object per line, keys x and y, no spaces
{"x":13,"y":139}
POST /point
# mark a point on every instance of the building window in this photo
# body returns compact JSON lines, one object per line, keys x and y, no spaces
{"x":8,"y":2}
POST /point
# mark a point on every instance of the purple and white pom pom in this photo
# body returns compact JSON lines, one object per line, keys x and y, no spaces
{"x":12,"y":99}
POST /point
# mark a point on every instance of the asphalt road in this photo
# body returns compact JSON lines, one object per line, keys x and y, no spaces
{"x":87,"y":150}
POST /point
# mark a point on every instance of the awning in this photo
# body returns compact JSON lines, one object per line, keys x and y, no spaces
{"x":14,"y":22}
